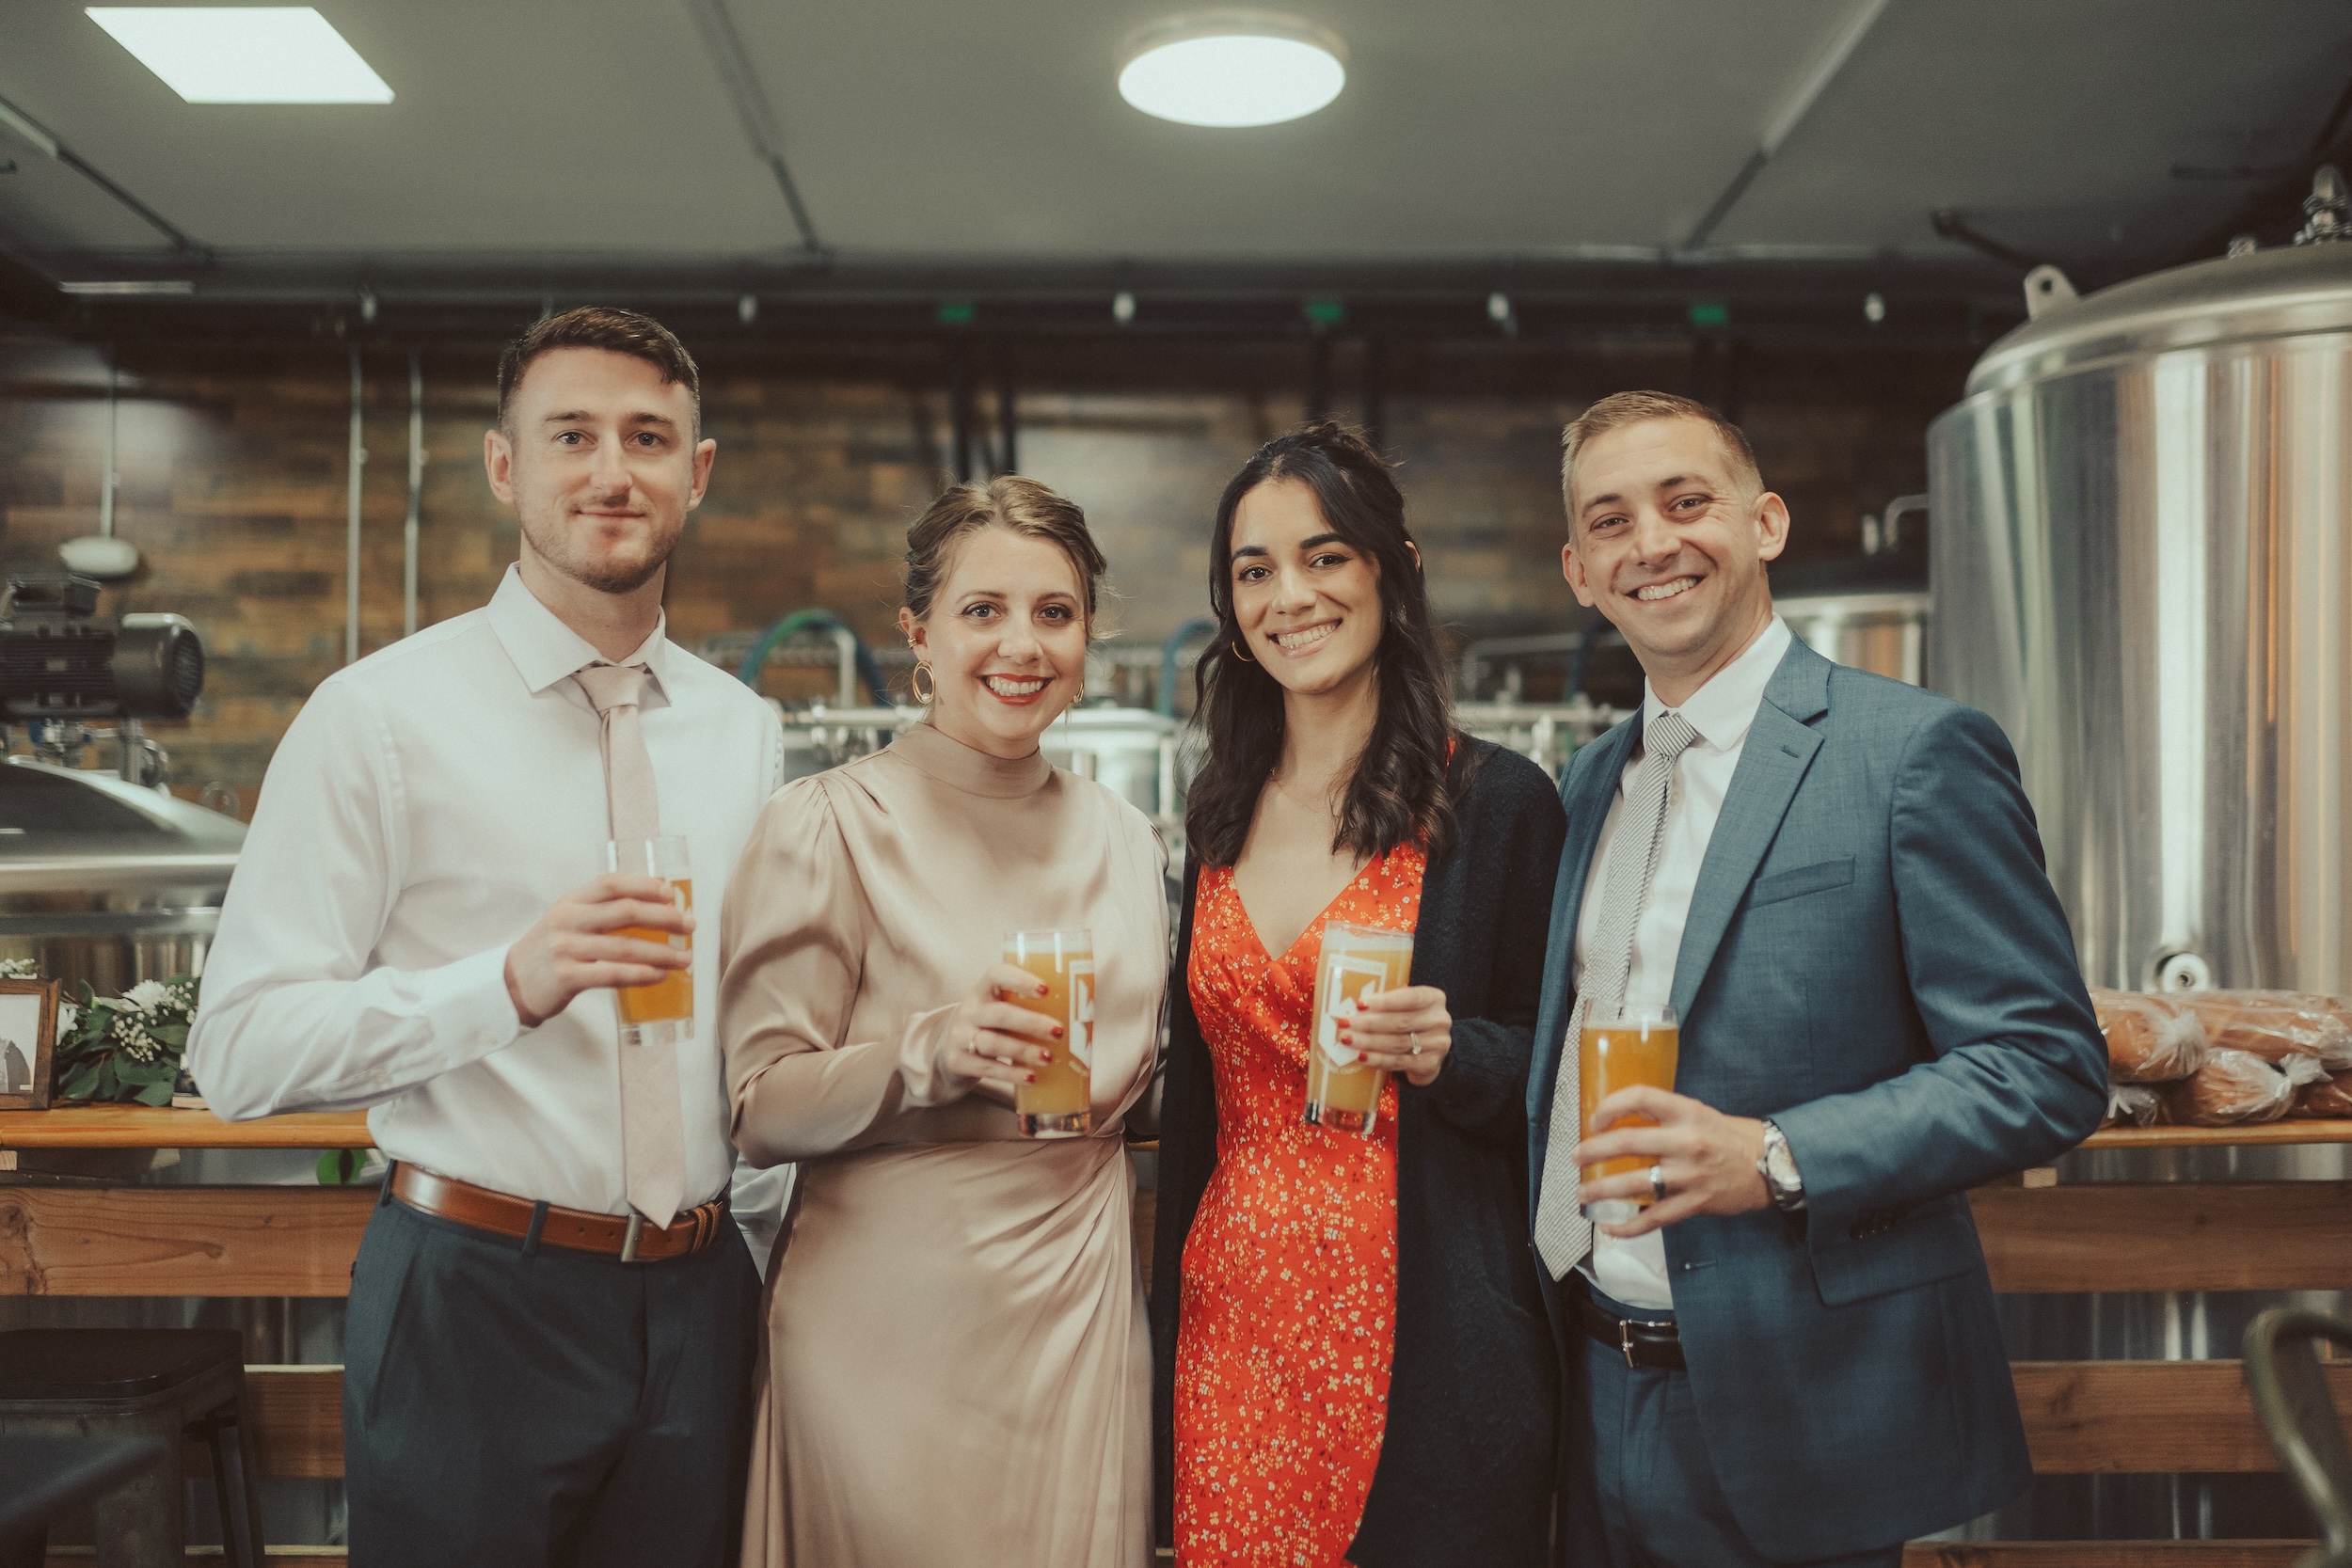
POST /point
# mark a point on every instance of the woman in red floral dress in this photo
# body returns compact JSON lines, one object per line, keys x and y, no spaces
{"x":1354,"y":1367}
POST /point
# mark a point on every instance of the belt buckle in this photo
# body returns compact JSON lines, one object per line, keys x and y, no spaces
{"x":629,"y":1236}
{"x":1625,"y":1335}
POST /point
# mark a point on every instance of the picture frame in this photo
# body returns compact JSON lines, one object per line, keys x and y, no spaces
{"x":28,"y":1043}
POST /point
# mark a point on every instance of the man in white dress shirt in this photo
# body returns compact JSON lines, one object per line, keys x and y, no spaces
{"x":536,"y":1371}
{"x":1833,"y":879}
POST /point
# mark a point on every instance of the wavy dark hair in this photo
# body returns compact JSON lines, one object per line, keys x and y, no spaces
{"x":1398,"y":791}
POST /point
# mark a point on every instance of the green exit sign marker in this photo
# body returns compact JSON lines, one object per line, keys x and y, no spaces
{"x":957,"y":312}
{"x":1710,"y":312}
{"x":1326,"y":312}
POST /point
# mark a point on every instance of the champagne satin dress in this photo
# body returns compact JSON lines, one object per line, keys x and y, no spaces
{"x":956,"y":1367}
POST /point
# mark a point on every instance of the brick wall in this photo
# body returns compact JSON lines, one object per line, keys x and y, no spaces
{"x":232,"y":485}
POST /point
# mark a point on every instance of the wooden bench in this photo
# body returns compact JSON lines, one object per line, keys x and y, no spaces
{"x":2082,"y":1417}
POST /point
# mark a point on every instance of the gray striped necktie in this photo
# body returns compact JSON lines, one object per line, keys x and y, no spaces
{"x":653,"y":1135}
{"x":1562,"y":1234}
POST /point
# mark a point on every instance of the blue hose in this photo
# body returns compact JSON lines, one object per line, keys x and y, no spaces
{"x":868,"y":668}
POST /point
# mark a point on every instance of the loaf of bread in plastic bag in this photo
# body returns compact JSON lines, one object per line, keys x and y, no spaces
{"x":2151,"y":1038}
{"x":2231,"y":1088}
{"x":2276,"y":1024}
{"x":2329,"y":1097}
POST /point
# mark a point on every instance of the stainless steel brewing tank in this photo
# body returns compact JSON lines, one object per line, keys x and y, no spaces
{"x":2141,"y":568}
{"x":1882,"y":633}
{"x":107,"y":881}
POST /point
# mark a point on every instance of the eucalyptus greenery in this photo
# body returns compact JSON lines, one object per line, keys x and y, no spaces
{"x":124,"y":1049}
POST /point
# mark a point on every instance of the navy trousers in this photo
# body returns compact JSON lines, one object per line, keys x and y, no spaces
{"x":1650,"y":1499}
{"x":544,"y":1406}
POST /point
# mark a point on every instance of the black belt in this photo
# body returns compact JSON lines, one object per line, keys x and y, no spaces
{"x":1643,"y":1342}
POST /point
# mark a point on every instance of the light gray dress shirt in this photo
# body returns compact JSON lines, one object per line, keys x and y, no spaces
{"x":424,"y":810}
{"x":1721,"y":711}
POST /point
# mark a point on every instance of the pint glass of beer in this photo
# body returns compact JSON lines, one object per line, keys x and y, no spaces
{"x":664,"y":1012}
{"x":1639,"y":1046}
{"x":1354,"y":964}
{"x":1060,"y":1103}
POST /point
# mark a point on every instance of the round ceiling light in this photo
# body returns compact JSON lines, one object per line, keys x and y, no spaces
{"x":1231,"y":68}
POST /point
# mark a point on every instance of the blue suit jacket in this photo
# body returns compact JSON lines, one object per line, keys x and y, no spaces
{"x":1874,"y":958}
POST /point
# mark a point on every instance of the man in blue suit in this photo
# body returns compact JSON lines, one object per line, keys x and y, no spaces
{"x":1833,"y":880}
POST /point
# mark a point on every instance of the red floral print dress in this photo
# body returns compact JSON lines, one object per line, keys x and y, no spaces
{"x":1289,"y":1284}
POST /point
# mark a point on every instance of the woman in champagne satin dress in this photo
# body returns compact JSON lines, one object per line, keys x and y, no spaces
{"x":957,"y":1367}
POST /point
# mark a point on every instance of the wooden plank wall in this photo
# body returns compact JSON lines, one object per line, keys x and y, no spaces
{"x":2168,"y":1236}
{"x":2081,"y":1416}
{"x":181,"y":1241}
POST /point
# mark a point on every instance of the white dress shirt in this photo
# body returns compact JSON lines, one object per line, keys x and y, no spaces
{"x":423,"y":811}
{"x":1721,"y":711}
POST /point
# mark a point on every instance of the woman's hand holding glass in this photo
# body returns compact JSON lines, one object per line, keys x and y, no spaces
{"x":1388,"y":1027}
{"x":989,"y":1041}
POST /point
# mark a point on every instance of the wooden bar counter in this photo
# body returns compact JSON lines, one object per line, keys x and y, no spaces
{"x":2039,"y":1235}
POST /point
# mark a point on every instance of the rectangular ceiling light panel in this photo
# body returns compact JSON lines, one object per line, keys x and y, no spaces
{"x":244,"y":54}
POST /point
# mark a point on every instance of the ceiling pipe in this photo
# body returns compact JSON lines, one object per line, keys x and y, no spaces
{"x":34,"y":131}
{"x":110,"y":481}
{"x":101,"y":555}
{"x":1952,"y":226}
{"x":357,"y":460}
{"x":1008,"y":411}
{"x":416,"y":496}
{"x":733,"y":63}
{"x":1794,"y":105}
{"x":962,"y":417}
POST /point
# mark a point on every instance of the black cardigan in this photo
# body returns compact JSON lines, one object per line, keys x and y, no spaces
{"x":1466,"y":1462}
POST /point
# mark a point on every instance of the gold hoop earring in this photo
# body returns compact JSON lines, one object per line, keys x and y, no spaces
{"x":1239,"y":654}
{"x":925,"y":687}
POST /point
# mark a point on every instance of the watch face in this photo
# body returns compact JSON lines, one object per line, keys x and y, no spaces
{"x":1781,"y":1164}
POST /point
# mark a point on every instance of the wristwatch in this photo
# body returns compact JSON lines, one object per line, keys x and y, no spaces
{"x":1779,"y":1170}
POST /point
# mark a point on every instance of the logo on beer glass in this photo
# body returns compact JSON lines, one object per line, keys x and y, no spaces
{"x":1082,"y":1011}
{"x":1352,"y":980}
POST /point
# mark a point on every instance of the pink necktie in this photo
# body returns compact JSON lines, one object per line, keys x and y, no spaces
{"x":653,"y":1138}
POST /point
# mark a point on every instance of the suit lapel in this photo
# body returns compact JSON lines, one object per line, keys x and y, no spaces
{"x":1772,"y":763}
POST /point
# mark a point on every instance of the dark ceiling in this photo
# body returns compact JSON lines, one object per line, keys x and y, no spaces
{"x":1594,"y":159}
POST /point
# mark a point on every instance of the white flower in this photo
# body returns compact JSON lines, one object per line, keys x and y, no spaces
{"x":19,"y":969}
{"x":134,"y":1042}
{"x":68,"y":1018}
{"x":146,"y":994}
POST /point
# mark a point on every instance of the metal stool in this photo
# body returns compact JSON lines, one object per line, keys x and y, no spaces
{"x":169,"y":1383}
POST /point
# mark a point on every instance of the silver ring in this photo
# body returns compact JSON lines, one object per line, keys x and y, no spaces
{"x":1658,"y":1183}
{"x":1414,"y":1035}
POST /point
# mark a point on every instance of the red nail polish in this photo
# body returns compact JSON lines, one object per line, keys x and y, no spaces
{"x":1049,"y":1057}
{"x":1057,"y":1031}
{"x":1043,"y":990}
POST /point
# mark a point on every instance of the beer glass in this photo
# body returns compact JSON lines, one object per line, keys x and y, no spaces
{"x":1060,"y":1103}
{"x":664,"y":1012}
{"x":1638,"y":1046}
{"x":1354,"y":964}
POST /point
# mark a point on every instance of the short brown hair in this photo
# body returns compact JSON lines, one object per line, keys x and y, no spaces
{"x":1021,"y":505}
{"x":1620,"y":409}
{"x":601,"y":326}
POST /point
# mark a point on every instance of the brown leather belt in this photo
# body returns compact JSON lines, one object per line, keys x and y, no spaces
{"x":1645,"y":1343}
{"x":611,"y":1235}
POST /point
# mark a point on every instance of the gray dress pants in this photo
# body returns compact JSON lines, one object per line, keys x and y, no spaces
{"x":544,"y":1406}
